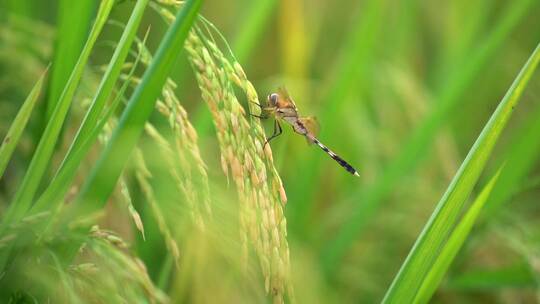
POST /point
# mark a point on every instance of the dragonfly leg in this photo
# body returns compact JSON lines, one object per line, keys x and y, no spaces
{"x":259,"y":116}
{"x":277,"y":132}
{"x":262,"y":116}
{"x":259,"y":105}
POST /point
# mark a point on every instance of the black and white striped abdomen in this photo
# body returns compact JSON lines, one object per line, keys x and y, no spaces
{"x":336,"y":157}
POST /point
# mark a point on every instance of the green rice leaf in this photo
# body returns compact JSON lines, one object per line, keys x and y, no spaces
{"x":111,"y":76}
{"x":17,"y":126}
{"x":52,"y":196}
{"x":422,"y":256}
{"x":90,"y":128}
{"x":523,"y":152}
{"x":41,"y":159}
{"x":69,"y":44}
{"x":105,"y":174}
{"x":456,"y":240}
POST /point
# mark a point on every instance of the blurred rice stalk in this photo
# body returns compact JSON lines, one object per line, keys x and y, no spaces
{"x":183,"y":160}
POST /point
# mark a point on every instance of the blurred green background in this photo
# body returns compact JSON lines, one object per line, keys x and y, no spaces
{"x":401,"y":90}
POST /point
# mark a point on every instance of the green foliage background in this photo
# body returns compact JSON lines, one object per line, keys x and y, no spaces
{"x":402,"y":90}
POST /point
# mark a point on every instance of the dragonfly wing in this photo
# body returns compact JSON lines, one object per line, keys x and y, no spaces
{"x":285,"y":99}
{"x":311,"y":124}
{"x":282,"y":91}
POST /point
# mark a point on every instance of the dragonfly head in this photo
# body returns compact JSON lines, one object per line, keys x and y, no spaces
{"x":273,"y":99}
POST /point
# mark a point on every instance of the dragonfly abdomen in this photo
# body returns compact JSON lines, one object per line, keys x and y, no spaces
{"x":334,"y":156}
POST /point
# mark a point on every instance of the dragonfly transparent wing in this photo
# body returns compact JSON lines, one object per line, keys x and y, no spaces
{"x":285,"y":99}
{"x":312,"y":125}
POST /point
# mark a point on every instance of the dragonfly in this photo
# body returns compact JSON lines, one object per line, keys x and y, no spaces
{"x":281,"y":106}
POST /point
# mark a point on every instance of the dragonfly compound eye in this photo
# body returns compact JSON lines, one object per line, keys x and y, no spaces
{"x":273,"y":98}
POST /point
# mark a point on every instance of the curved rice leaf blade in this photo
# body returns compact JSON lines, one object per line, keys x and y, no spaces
{"x":456,"y":240}
{"x":523,"y":152}
{"x":52,"y":196}
{"x":110,"y":77}
{"x":104,"y":176}
{"x":427,"y":246}
{"x":23,"y":198}
{"x":19,"y":123}
{"x":91,"y":127}
{"x":69,"y":44}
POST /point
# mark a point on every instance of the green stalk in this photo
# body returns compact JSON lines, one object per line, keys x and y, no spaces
{"x":422,"y":256}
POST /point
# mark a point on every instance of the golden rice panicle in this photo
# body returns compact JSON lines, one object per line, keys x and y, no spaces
{"x":261,"y":200}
